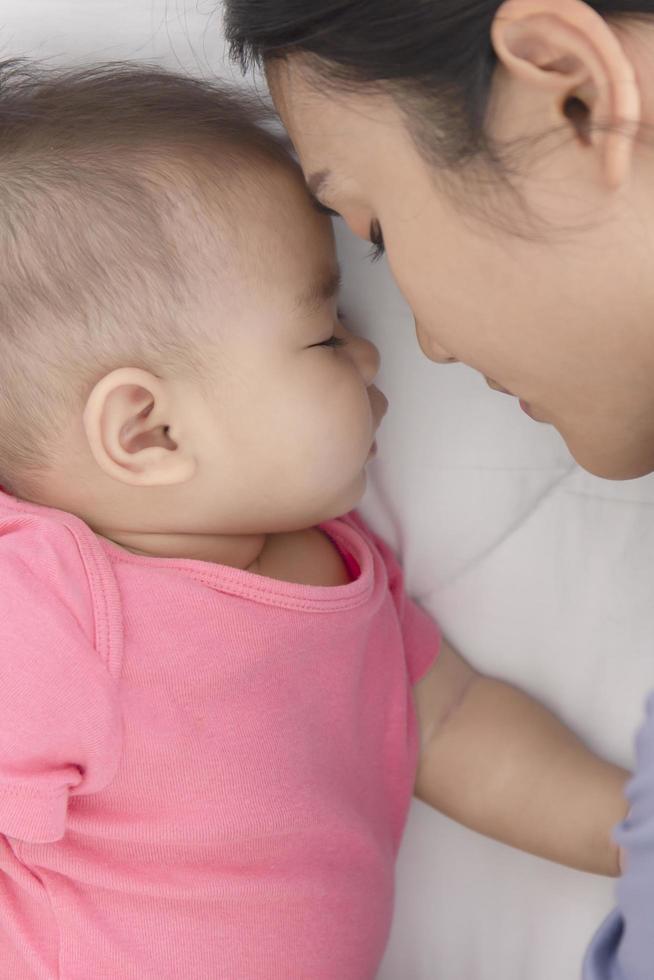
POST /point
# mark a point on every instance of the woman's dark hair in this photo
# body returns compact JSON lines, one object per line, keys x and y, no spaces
{"x":434,"y":56}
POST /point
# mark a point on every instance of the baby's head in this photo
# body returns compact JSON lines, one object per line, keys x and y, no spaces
{"x":172,"y":358}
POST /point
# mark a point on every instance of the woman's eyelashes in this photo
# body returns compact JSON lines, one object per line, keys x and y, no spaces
{"x":377,"y":241}
{"x":323,"y":209}
{"x":375,"y":233}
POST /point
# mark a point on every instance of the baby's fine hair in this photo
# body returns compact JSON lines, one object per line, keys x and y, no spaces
{"x":101,"y":169}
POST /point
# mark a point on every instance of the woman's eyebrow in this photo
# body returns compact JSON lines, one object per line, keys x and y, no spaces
{"x":326,"y":288}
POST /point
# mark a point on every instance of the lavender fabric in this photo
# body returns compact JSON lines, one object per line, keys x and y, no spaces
{"x":623,"y":948}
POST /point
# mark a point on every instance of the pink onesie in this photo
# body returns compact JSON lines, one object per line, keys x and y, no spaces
{"x":204,"y":774}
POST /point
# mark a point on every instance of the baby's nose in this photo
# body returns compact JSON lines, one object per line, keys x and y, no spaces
{"x":367,"y":359}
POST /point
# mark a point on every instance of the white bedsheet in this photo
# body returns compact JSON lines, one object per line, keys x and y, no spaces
{"x":538,"y":572}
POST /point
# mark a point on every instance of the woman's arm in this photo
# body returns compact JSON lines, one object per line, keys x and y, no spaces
{"x":495,"y":760}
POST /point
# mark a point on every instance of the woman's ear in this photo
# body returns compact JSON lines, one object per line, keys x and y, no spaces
{"x":133,"y":430}
{"x":568,"y":53}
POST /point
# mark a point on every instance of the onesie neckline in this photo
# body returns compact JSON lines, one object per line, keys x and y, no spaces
{"x":233,"y":581}
{"x":250,"y":585}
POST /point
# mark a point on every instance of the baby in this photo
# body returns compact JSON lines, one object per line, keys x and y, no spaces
{"x":215,"y":699}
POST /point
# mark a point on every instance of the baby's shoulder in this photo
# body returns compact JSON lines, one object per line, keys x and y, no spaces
{"x":30,"y":537}
{"x":44,"y":564}
{"x":307,"y":557}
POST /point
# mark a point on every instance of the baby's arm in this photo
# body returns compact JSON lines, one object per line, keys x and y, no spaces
{"x":495,"y":760}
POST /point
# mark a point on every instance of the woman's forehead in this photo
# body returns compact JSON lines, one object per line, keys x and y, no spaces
{"x":342,"y":148}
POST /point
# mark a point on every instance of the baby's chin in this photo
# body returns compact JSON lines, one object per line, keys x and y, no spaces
{"x":343,"y":502}
{"x":303,"y":512}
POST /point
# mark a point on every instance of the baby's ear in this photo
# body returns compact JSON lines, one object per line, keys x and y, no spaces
{"x":132,"y":427}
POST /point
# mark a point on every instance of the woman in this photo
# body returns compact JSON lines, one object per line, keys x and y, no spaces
{"x":500,"y":153}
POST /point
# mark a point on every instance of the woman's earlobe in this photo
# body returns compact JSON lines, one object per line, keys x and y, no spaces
{"x":566,"y":51}
{"x":130,"y":427}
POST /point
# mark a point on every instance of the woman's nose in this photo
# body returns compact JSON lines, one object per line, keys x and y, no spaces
{"x":432,"y":349}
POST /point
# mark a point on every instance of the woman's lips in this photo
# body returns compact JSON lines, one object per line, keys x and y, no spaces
{"x":525,"y":406}
{"x":528,"y":410}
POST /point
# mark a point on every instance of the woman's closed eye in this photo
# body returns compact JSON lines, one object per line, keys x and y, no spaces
{"x":377,"y":241}
{"x":374,"y":234}
{"x":323,"y":209}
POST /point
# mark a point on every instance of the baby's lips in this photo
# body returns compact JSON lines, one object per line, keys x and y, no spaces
{"x":379,"y":403}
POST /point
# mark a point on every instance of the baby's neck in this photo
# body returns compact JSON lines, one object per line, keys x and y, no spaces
{"x":306,"y":557}
{"x":238,"y":551}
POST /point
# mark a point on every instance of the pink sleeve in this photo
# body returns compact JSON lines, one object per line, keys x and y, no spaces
{"x":422,"y":640}
{"x":59,"y":720}
{"x":422,"y":637}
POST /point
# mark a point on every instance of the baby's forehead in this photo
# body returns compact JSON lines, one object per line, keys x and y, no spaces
{"x":264,"y":205}
{"x":263,"y":247}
